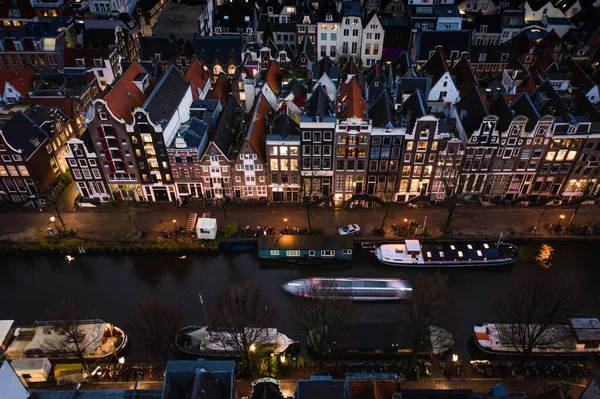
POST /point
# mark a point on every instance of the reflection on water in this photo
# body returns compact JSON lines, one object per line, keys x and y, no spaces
{"x":544,"y":256}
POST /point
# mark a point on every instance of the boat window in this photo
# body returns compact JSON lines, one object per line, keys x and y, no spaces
{"x":274,"y":252}
{"x":452,"y":247}
{"x":293,"y":252}
{"x":399,"y":250}
{"x":311,"y":253}
{"x":486,"y":246}
{"x":441,"y":254}
{"x":479,"y":253}
{"x":347,"y":252}
{"x":429,"y":254}
{"x":327,"y":253}
{"x":469,"y":246}
{"x":460,"y":253}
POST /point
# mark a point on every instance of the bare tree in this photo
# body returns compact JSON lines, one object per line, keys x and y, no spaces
{"x":130,"y":212}
{"x":427,"y":307}
{"x":532,"y":311}
{"x":449,"y":171}
{"x":310,"y":189}
{"x":240,"y":318}
{"x":155,"y":325}
{"x":586,"y":195}
{"x":70,"y":339}
{"x":324,"y":318}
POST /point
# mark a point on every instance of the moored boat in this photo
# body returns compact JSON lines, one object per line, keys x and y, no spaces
{"x":412,"y":253}
{"x":580,"y":336}
{"x":96,"y":339}
{"x":204,"y":341}
{"x":355,"y":289}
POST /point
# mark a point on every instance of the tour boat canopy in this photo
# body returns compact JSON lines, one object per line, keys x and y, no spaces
{"x":413,"y":245}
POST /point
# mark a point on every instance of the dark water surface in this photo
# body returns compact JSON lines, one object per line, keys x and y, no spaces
{"x":107,"y":286}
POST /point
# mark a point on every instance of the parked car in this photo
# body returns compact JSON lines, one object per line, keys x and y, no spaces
{"x":350,"y":229}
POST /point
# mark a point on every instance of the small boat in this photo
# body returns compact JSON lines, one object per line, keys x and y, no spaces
{"x":581,"y":336}
{"x":240,"y":247}
{"x":355,"y":289}
{"x":97,"y":339}
{"x":412,"y":253}
{"x":202,"y":341}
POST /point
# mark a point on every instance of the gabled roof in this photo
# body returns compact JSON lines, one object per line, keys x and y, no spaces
{"x":6,"y":74}
{"x":463,"y":74}
{"x":330,"y":87}
{"x":523,"y":106}
{"x":273,"y":78}
{"x":552,"y":104}
{"x":125,"y":94}
{"x":270,"y":44}
{"x":218,"y":46}
{"x":190,"y":134}
{"x":307,"y":11}
{"x":351,"y":8}
{"x":349,"y":68}
{"x":163,"y":45}
{"x":319,"y":104}
{"x":579,"y":77}
{"x":413,"y":108}
{"x":382,"y":112}
{"x":295,"y":88}
{"x":471,"y":111}
{"x":326,"y":65}
{"x":284,"y":126}
{"x":266,"y":390}
{"x":352,"y":102}
{"x":373,"y":72}
{"x":166,"y":96}
{"x":548,"y":41}
{"x":23,"y":134}
{"x":401,"y":66}
{"x":223,"y":136}
{"x":257,"y":125}
{"x":197,"y":76}
{"x":500,"y":108}
{"x":306,"y":48}
{"x":221,"y":89}
{"x":20,"y":82}
{"x":436,"y":66}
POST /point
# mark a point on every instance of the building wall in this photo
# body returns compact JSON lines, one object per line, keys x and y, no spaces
{"x":372,"y":42}
{"x":217,"y":171}
{"x":283,"y":160}
{"x":384,"y":162}
{"x":87,"y":172}
{"x":444,"y":90}
{"x":350,"y":37}
{"x":352,"y":137}
{"x":12,"y":387}
{"x":317,"y":170}
{"x":327,"y":34}
{"x":16,"y":181}
{"x":249,"y":174}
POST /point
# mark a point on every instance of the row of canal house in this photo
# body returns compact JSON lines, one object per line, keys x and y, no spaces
{"x":347,"y":132}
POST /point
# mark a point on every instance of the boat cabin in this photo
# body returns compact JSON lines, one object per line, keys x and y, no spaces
{"x":586,"y":332}
{"x":305,"y":247}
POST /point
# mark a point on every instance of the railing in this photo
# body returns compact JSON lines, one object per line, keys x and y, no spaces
{"x":52,"y":323}
{"x":38,"y":3}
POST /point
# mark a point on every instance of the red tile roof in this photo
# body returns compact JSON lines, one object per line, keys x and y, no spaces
{"x":465,"y":79}
{"x":350,"y":68}
{"x":221,"y":89}
{"x":125,"y":95}
{"x":88,"y":55}
{"x":257,"y":125}
{"x":273,"y":78}
{"x":6,"y":74}
{"x":352,"y":102}
{"x":64,"y":104}
{"x":549,"y":40}
{"x":22,"y":82}
{"x":197,"y":76}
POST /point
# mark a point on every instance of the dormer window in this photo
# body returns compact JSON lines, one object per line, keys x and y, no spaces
{"x":483,"y":28}
{"x":80,"y":62}
{"x":18,"y":45}
{"x":98,"y":62}
{"x":217,"y":31}
{"x":306,"y":20}
{"x":329,"y":17}
{"x":157,"y":56}
{"x":482,"y":57}
{"x":290,"y":10}
{"x":270,"y":10}
{"x":247,"y":18}
{"x":504,"y":57}
{"x":226,"y":17}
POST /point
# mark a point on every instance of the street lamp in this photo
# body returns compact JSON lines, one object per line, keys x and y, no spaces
{"x":252,"y":348}
{"x":175,"y":224}
{"x":285,"y":224}
{"x":53,"y":220}
{"x":121,"y":360}
{"x":560,"y":219}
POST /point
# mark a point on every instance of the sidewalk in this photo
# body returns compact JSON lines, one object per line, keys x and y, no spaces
{"x":111,"y":223}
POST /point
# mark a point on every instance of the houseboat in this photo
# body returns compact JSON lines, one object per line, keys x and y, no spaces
{"x":581,"y":336}
{"x":355,"y":289}
{"x":96,"y":339}
{"x":305,"y":248}
{"x":412,"y":253}
{"x":204,"y":341}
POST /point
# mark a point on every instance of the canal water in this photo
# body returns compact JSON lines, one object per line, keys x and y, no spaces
{"x":106,"y":286}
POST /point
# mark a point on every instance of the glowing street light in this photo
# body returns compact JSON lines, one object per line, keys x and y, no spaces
{"x":282,"y":358}
{"x":285,"y":223}
{"x":53,"y":220}
{"x":454,"y":357}
{"x":175,"y":223}
{"x":560,"y":219}
{"x":252,"y":348}
{"x":121,"y":360}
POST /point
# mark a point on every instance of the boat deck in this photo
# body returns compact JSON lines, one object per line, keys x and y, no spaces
{"x":462,"y":250}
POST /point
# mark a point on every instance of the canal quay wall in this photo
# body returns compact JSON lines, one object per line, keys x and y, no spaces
{"x":108,"y":230}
